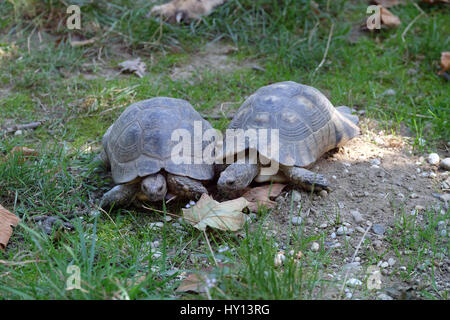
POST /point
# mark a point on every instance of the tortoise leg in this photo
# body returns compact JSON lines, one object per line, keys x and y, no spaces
{"x":120,"y":195}
{"x":237,"y":176}
{"x":306,"y":179}
{"x":185,"y":187}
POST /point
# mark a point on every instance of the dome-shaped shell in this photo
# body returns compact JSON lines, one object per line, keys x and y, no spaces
{"x":308,"y":123}
{"x":139,"y":143}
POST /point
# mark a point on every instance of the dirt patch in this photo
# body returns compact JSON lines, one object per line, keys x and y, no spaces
{"x":378,"y":176}
{"x":214,"y":58}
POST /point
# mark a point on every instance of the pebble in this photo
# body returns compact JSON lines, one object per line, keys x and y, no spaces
{"x":413,"y":196}
{"x":323,"y":226}
{"x":389,"y":92}
{"x":384,"y":264}
{"x":18,"y":132}
{"x":323,"y":193}
{"x":377,"y":244}
{"x":353,"y":282}
{"x":357,"y":216}
{"x":433,"y":159}
{"x":445,"y":164}
{"x":360,"y":229}
{"x":296,"y":196}
{"x":378,"y":229}
{"x":177,"y":225}
{"x":391,"y":261}
{"x":342,"y":230}
{"x":375,"y":161}
{"x":383,"y":296}
{"x":168,"y":218}
{"x":279,"y":259}
{"x":333,"y":235}
{"x":297,"y":221}
{"x":349,"y":295}
{"x":357,"y":259}
{"x":154,"y":225}
{"x":315,"y":246}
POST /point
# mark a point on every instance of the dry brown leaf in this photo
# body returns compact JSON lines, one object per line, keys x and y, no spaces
{"x":7,"y":221}
{"x":386,"y":3}
{"x":445,"y":61}
{"x":136,"y":66}
{"x":389,"y":19}
{"x":225,"y":216}
{"x":22,"y":153}
{"x":261,"y":196}
{"x":194,"y":283}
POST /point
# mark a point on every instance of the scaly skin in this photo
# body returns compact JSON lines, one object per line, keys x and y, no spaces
{"x":122,"y":194}
{"x":306,"y":179}
{"x":237,"y":176}
{"x":154,"y":187}
{"x":185,"y":187}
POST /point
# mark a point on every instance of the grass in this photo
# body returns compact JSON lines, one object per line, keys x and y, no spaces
{"x":47,"y":81}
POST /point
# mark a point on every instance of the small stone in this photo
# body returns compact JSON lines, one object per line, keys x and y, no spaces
{"x":384,"y":264}
{"x":357,"y":216}
{"x":156,"y":225}
{"x":357,"y":259}
{"x":419,"y":208}
{"x":413,"y":196}
{"x":402,"y":268}
{"x":297,"y":221}
{"x":323,"y":193}
{"x":279,"y":259}
{"x":443,"y":233}
{"x":383,"y":296}
{"x":348,"y":295}
{"x":360,"y":229}
{"x":433,"y":159}
{"x":18,"y":132}
{"x":296,"y":196}
{"x":389,"y":92}
{"x":323,"y":226}
{"x":445,"y":164}
{"x":342,"y":230}
{"x":168,"y":218}
{"x":333,"y":235}
{"x":391,"y":261}
{"x":315,"y":246}
{"x":378,"y":229}
{"x":354,"y":282}
{"x":377,"y":244}
{"x":334,"y":177}
{"x":375,"y":161}
{"x":177,"y":225}
{"x":432,"y":175}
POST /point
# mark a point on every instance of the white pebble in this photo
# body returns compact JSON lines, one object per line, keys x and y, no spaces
{"x":391,"y":261}
{"x":333,"y":235}
{"x":353,"y":282}
{"x":296,"y":221}
{"x":315,"y":246}
{"x":342,"y":230}
{"x":375,"y":161}
{"x":323,"y":226}
{"x":357,"y":216}
{"x":18,"y":132}
{"x":445,"y":164}
{"x":349,"y":295}
{"x":433,"y":159}
{"x":384,"y":264}
{"x":357,"y":259}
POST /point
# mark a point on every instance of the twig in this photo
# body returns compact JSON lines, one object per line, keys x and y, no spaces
{"x":410,"y":24}
{"x":326,"y":49}
{"x":210,"y":249}
{"x":354,"y":256}
{"x":19,"y":263}
{"x":32,"y":125}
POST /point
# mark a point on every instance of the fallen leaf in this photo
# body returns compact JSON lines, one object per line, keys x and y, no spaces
{"x":389,"y":19}
{"x":194,"y":283}
{"x":386,"y":3}
{"x":445,"y":61}
{"x":136,"y":66}
{"x":7,"y":221}
{"x":22,"y":153}
{"x":225,"y":216}
{"x":260,"y":196}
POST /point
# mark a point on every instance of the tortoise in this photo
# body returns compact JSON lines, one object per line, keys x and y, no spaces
{"x":308,"y":126}
{"x":137,"y":148}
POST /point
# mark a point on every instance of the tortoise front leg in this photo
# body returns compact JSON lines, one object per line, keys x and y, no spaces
{"x":185,"y":187}
{"x":237,"y":176}
{"x":120,"y":195}
{"x":306,"y":179}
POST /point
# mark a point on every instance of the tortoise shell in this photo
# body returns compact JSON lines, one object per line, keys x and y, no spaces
{"x":139,"y":143}
{"x":308,"y":123}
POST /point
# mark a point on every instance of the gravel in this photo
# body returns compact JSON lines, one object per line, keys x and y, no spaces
{"x":357,"y":216}
{"x":315,"y":246}
{"x":383,"y":296}
{"x":353,"y":282}
{"x":296,"y":196}
{"x":445,"y":164}
{"x":433,"y":159}
{"x":379,"y":229}
{"x":296,"y":221}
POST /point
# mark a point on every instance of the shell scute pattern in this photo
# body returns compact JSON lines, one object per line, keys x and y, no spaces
{"x":140,"y":142}
{"x":308,"y":123}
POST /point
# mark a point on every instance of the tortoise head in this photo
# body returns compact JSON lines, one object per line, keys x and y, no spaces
{"x":154,"y":187}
